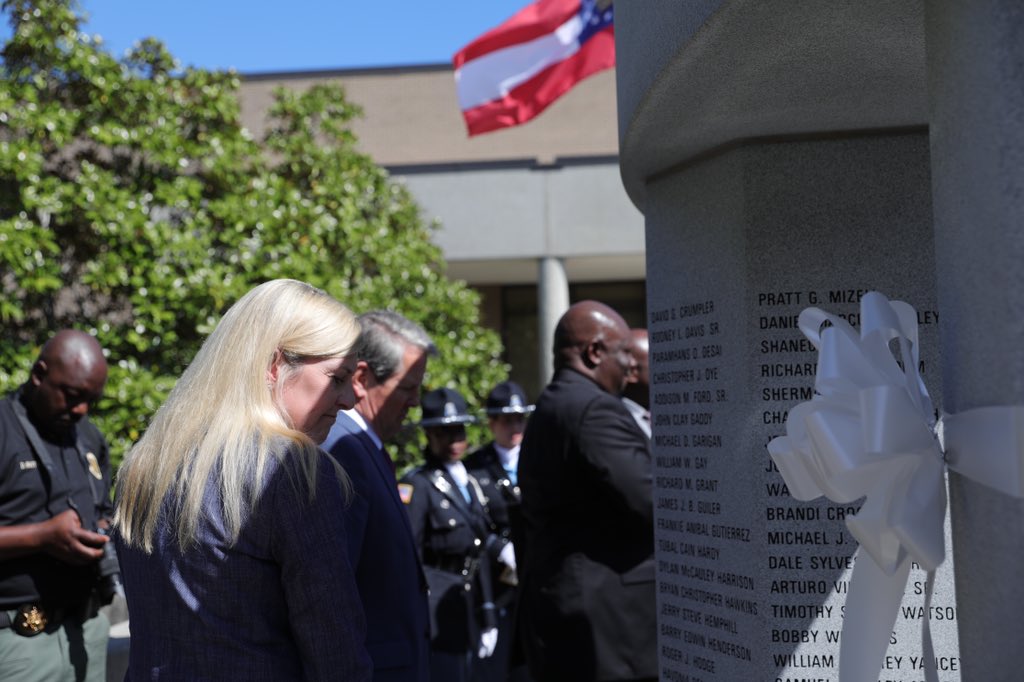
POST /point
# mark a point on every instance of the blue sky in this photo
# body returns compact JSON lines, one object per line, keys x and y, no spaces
{"x":256,"y":36}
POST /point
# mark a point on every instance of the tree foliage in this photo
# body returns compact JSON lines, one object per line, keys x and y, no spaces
{"x":135,"y":205}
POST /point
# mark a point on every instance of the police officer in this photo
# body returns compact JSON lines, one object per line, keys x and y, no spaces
{"x":495,"y":467}
{"x":54,"y":483}
{"x":455,"y":538}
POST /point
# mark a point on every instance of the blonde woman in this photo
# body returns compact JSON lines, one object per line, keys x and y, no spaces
{"x":229,"y":518}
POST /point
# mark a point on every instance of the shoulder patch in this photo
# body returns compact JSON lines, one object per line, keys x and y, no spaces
{"x":405,"y":492}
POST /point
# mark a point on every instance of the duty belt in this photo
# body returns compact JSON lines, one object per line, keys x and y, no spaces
{"x":451,"y":563}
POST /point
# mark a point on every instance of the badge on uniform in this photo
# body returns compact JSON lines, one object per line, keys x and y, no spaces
{"x":440,"y":482}
{"x":30,"y":620}
{"x":405,"y":492}
{"x":94,"y":466}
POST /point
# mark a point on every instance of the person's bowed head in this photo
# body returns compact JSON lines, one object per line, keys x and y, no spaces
{"x":445,"y":416}
{"x":229,"y":475}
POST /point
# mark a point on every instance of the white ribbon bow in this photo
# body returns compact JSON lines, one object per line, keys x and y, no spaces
{"x":871,"y":432}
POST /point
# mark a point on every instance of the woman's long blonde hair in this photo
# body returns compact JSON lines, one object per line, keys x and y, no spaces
{"x":223,"y":419}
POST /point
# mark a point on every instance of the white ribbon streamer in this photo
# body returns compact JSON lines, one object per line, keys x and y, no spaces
{"x":870,"y":431}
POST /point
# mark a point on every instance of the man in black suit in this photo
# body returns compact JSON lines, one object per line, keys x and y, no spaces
{"x":637,"y":396}
{"x":587,"y":591}
{"x":392,"y":352}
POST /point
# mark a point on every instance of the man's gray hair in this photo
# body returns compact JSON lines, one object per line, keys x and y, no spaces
{"x":384,"y":338}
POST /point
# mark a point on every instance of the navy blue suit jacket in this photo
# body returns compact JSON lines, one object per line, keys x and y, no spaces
{"x":389,"y":576}
{"x":279,"y":604}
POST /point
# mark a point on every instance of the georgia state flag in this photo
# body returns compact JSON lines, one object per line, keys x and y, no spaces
{"x":514,"y":71}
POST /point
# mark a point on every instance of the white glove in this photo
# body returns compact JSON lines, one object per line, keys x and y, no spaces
{"x":508,"y":556}
{"x":488,"y":640}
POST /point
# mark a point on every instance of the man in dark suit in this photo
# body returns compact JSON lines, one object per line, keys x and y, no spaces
{"x":587,"y":599}
{"x":637,"y":396}
{"x":392,"y":352}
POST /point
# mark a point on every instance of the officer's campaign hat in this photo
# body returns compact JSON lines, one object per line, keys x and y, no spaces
{"x":508,"y":397}
{"x":444,"y":406}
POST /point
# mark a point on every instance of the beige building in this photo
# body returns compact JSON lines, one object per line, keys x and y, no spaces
{"x":534,"y":217}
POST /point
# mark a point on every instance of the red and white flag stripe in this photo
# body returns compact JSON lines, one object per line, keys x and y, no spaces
{"x":514,"y":71}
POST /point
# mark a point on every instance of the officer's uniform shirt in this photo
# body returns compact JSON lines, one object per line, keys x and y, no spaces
{"x":29,"y":495}
{"x":509,"y":460}
{"x":446,"y":526}
{"x":451,"y":532}
{"x":494,"y":468}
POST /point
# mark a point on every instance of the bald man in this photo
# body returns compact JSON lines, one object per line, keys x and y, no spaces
{"x":54,"y":484}
{"x":587,"y":595}
{"x":637,"y":397}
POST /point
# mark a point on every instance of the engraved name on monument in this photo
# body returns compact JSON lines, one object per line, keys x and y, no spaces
{"x":751,"y":580}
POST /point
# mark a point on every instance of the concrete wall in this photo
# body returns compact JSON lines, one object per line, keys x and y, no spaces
{"x":880,"y":183}
{"x":496,"y":222}
{"x":411,"y":116}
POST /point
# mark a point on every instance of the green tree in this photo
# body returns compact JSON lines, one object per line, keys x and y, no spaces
{"x":135,"y":205}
